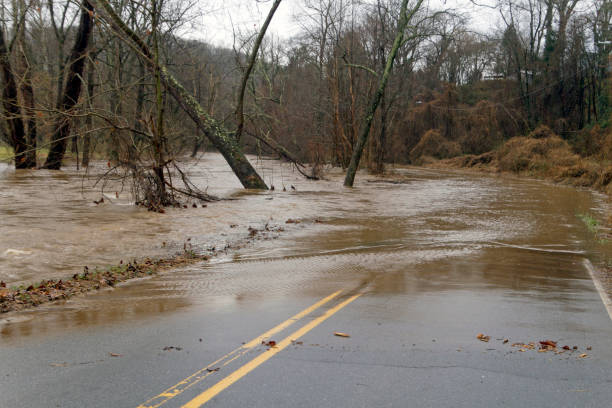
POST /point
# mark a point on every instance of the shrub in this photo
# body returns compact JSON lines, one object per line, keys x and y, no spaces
{"x":433,"y":144}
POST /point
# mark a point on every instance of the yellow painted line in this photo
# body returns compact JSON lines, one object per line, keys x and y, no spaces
{"x":263,"y":357}
{"x":200,"y":375}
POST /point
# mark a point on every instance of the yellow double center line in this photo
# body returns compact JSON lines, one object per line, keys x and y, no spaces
{"x":251,"y":365}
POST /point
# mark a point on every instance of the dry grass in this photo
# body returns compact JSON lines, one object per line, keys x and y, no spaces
{"x":545,"y":155}
{"x":434,"y":145}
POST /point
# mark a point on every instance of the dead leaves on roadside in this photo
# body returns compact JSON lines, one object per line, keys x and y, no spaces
{"x":542,"y":346}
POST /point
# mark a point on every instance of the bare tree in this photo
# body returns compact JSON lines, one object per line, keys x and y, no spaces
{"x":72,"y":89}
{"x":405,"y":18}
{"x":219,"y":137}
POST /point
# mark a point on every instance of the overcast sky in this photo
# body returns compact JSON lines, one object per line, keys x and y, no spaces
{"x":220,"y":16}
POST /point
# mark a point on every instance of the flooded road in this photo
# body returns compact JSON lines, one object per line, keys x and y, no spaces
{"x":433,"y":257}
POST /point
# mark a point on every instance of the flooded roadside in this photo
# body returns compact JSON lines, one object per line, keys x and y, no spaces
{"x":52,"y":227}
{"x":432,"y":232}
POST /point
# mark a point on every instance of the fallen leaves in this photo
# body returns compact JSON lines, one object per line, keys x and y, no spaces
{"x":270,"y":343}
{"x":542,"y":346}
{"x":22,"y":297}
{"x":115,"y":355}
{"x":340,"y":334}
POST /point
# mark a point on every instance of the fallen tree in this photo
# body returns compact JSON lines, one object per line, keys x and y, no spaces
{"x":220,"y":138}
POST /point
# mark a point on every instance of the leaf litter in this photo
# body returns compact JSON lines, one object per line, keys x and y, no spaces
{"x":541,"y":346}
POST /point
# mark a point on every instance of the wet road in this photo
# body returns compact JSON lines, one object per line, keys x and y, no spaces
{"x":411,"y":271}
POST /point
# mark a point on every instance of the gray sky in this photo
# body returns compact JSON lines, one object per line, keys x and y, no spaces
{"x":247,"y":15}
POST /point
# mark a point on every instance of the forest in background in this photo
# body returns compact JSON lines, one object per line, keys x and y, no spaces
{"x":72,"y":82}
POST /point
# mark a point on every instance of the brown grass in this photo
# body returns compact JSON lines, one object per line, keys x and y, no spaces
{"x":545,"y":155}
{"x":434,"y":145}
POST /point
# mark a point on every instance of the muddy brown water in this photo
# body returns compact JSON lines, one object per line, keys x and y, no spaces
{"x":433,"y":232}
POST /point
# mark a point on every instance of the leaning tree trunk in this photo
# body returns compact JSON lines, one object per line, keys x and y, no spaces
{"x":365,"y":131}
{"x":11,"y":107}
{"x":220,"y":138}
{"x":72,"y":89}
{"x":249,"y":68}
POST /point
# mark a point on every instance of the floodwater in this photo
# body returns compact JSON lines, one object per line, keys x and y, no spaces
{"x":424,"y":231}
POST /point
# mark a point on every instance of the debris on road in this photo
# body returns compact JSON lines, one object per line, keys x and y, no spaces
{"x":548,"y":343}
{"x":545,"y":346}
{"x":340,"y":334}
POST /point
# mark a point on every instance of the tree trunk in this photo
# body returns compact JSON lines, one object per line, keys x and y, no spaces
{"x":247,"y":72}
{"x":379,"y":156}
{"x":11,"y":107}
{"x":72,"y":90}
{"x":220,"y":138}
{"x":365,"y":131}
{"x":89,"y":119}
{"x":27,"y":92}
{"x":159,"y":140}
